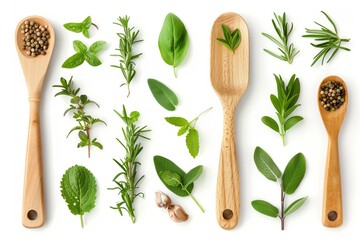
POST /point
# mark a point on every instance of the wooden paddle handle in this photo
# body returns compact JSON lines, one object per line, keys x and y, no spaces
{"x":332,"y":215}
{"x":33,"y":200}
{"x":228,"y":183}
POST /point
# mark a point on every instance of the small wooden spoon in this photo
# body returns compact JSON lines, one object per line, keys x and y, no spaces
{"x":34,"y":69}
{"x":229,"y":78}
{"x":332,"y":215}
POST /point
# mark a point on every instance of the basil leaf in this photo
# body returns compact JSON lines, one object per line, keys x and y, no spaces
{"x":177,"y":121}
{"x":85,"y":32}
{"x":265,"y":208}
{"x":294,"y":173}
{"x":87,"y":22}
{"x":97,"y":47}
{"x":266,"y":165}
{"x":192,"y":175}
{"x":173,"y":41}
{"x":92,"y":59}
{"x":192,"y":142}
{"x":295,"y":206}
{"x":74,"y":27}
{"x":163,"y":95}
{"x":79,"y":47}
{"x":74,"y":61}
{"x":163,"y":164}
{"x":271,"y":123}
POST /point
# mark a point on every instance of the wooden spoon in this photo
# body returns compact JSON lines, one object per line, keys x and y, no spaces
{"x":229,"y":78}
{"x":34,"y":69}
{"x":332,"y":215}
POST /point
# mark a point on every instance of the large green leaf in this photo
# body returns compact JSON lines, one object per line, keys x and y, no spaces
{"x":265,"y":208}
{"x":163,"y":164}
{"x":163,"y":95}
{"x":294,"y":173}
{"x":266,"y":165}
{"x":295,"y":206}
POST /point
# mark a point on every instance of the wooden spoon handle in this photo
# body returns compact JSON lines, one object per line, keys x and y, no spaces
{"x":228,"y":190}
{"x":332,"y":215}
{"x":33,"y":200}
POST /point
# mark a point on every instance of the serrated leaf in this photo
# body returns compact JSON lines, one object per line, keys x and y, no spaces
{"x":183,"y":130}
{"x":192,"y":175}
{"x":271,"y":123}
{"x":295,"y":206}
{"x":294,"y":173}
{"x":265,"y":208}
{"x":170,"y":178}
{"x":177,"y":121}
{"x":163,"y":95}
{"x":291,"y":122}
{"x":266,"y":165}
{"x":192,"y":142}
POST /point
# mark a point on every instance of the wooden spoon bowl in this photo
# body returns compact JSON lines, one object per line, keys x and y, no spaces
{"x":332,"y":214}
{"x":229,"y":78}
{"x":34,"y":69}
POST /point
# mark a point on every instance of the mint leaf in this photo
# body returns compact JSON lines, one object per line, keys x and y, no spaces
{"x":192,"y":142}
{"x":177,"y":121}
{"x":183,"y":130}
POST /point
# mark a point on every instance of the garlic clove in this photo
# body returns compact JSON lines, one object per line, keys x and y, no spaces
{"x":162,"y":200}
{"x":177,"y":213}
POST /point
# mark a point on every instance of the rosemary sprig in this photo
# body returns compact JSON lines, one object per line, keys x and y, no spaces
{"x":329,"y":41}
{"x":288,"y":51}
{"x":127,"y":39}
{"x":126,"y":180}
{"x":77,"y":106}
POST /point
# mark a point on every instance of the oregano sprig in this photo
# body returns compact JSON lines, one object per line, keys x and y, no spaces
{"x":84,"y":121}
{"x":82,"y":27}
{"x":192,"y":136}
{"x":127,"y":181}
{"x":284,"y":104}
{"x":128,"y":38}
{"x":231,"y":40}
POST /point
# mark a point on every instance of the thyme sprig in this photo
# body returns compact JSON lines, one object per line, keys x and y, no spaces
{"x":281,"y":26}
{"x":77,"y":106}
{"x":127,"y":39}
{"x":329,"y":41}
{"x":127,"y":181}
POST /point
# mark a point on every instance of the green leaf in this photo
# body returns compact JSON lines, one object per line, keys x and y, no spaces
{"x":265,"y":208}
{"x":173,"y":40}
{"x":271,"y":123}
{"x":92,"y":59}
{"x":192,"y":175}
{"x":170,"y":178}
{"x":74,"y":27}
{"x":291,"y":122}
{"x":295,"y":206}
{"x":74,"y":129}
{"x":87,"y":22}
{"x":294,"y":173}
{"x":266,"y":165}
{"x":183,"y":130}
{"x":231,"y":40}
{"x":163,"y":164}
{"x":97,"y":144}
{"x":276,"y":103}
{"x":177,"y":121}
{"x":97,"y":47}
{"x":78,"y":189}
{"x":163,"y":95}
{"x":192,"y":142}
{"x":79,"y":47}
{"x":134,"y":116}
{"x":83,"y":137}
{"x":74,"y":61}
{"x":85,"y":32}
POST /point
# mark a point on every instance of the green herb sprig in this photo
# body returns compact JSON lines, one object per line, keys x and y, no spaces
{"x":175,"y":179}
{"x":84,"y":121}
{"x":84,"y":54}
{"x":231,"y":40}
{"x":127,"y":39}
{"x":328,"y":40}
{"x":281,"y":26}
{"x":81,"y":27}
{"x":289,"y":181}
{"x":127,"y":181}
{"x":284,"y":104}
{"x":192,"y":137}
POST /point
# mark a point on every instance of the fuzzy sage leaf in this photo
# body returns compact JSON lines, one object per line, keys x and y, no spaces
{"x":163,"y":95}
{"x":265,"y":208}
{"x":294,"y":173}
{"x":266,"y":165}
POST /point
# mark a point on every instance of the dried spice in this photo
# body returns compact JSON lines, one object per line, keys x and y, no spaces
{"x":332,"y":95}
{"x":35,"y":39}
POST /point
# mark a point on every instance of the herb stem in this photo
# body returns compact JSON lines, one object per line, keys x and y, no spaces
{"x":175,"y":73}
{"x":195,"y":119}
{"x":95,"y":26}
{"x":282,"y":217}
{"x":89,"y":144}
{"x":194,"y":199}
{"x":82,"y":220}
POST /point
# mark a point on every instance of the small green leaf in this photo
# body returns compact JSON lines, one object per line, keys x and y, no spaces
{"x":292,"y":121}
{"x":163,"y":95}
{"x":83,"y":99}
{"x":74,"y":61}
{"x":294,"y":173}
{"x":97,"y":47}
{"x":231,"y":40}
{"x":265,"y":208}
{"x":97,"y":144}
{"x":192,"y":175}
{"x":87,"y":22}
{"x":192,"y":142}
{"x":266,"y":165}
{"x":183,"y":130}
{"x":79,"y":47}
{"x":74,"y":27}
{"x":83,"y":137}
{"x":92,"y":59}
{"x":276,"y":103}
{"x":271,"y":123}
{"x":134,"y":116}
{"x":74,"y":129}
{"x":295,"y":206}
{"x":177,"y":121}
{"x":170,"y":178}
{"x":85,"y":32}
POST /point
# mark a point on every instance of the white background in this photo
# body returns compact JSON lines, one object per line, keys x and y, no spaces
{"x":196,"y":94}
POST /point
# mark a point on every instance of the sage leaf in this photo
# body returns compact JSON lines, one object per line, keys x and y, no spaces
{"x":78,"y":189}
{"x":265,"y":208}
{"x":163,"y":164}
{"x":173,"y":41}
{"x":75,"y":60}
{"x":295,"y":206}
{"x":292,"y":121}
{"x":192,"y":175}
{"x":271,"y":123}
{"x":266,"y":165}
{"x":294,"y":173}
{"x":170,"y":178}
{"x":192,"y":142}
{"x":163,"y":95}
{"x":177,"y":121}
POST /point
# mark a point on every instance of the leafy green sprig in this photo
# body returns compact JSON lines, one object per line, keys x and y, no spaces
{"x":284,"y":104}
{"x":289,"y":181}
{"x":127,"y":39}
{"x":287,"y":51}
{"x":231,"y":40}
{"x":328,"y":40}
{"x":84,"y":121}
{"x":127,"y":181}
{"x":81,"y":27}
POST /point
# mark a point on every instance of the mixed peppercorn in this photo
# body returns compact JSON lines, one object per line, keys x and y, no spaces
{"x":332,"y":95}
{"x":35,"y":39}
